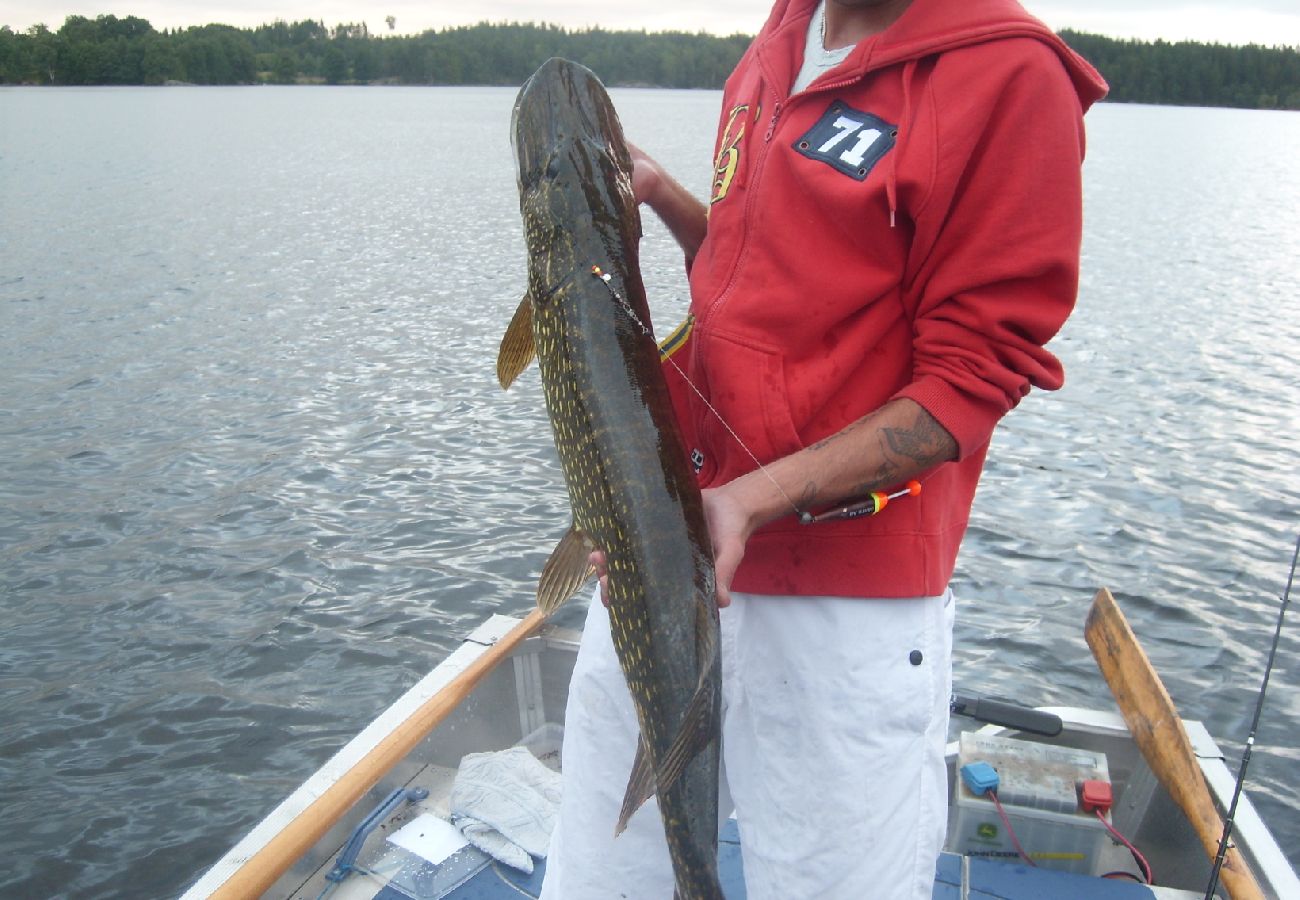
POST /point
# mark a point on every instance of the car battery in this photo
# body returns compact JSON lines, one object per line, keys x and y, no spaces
{"x":1038,"y":786}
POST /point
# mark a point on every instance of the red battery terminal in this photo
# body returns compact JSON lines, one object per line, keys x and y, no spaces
{"x":1096,"y":796}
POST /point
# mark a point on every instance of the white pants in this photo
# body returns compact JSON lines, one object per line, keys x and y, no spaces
{"x":835,"y":715}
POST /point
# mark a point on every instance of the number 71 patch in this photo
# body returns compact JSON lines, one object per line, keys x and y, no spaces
{"x":848,"y":140}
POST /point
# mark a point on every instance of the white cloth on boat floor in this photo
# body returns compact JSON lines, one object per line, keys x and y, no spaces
{"x":505,"y":804}
{"x":835,"y":717}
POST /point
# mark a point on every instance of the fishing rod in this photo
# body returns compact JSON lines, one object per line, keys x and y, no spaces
{"x":1254,"y":727}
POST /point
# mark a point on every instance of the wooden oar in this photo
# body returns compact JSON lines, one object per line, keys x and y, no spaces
{"x":1159,"y":733}
{"x":287,"y":847}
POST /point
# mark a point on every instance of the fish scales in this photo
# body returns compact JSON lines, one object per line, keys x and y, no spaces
{"x":630,"y":487}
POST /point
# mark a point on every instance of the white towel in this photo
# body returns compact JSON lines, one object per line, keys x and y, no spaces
{"x":505,"y":804}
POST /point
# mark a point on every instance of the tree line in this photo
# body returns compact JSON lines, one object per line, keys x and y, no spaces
{"x":1189,"y":73}
{"x":109,"y":50}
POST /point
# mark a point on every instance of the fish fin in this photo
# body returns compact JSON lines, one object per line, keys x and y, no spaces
{"x":640,"y":786}
{"x":706,"y":632}
{"x":565,"y":571}
{"x":517,"y":349}
{"x":697,"y":728}
{"x":695,"y":734}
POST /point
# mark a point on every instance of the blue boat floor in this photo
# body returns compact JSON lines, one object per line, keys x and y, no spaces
{"x":987,"y":880}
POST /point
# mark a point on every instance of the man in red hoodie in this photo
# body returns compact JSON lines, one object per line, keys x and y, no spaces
{"x":892,"y":238}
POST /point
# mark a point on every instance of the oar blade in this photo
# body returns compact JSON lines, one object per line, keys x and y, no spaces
{"x":1158,"y":730}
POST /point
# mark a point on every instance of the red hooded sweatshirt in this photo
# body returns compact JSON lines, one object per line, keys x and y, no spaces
{"x":908,"y":226}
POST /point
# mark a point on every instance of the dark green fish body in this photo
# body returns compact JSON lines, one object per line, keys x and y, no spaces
{"x":631,"y":489}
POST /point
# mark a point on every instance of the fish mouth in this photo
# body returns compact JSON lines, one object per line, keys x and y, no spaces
{"x":563,"y":102}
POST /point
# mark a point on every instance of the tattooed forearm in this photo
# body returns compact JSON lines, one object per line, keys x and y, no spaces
{"x":877,"y":452}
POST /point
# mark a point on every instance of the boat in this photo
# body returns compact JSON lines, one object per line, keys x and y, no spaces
{"x":373,"y":821}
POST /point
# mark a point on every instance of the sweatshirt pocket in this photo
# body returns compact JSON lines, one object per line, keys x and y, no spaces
{"x":746,"y":386}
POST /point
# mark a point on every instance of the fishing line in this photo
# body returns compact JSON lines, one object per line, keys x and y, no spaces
{"x":1225,"y":841}
{"x":868,"y":506}
{"x":605,"y":278}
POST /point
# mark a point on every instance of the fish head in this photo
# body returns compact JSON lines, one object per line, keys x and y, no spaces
{"x":573,"y":166}
{"x":561,"y":104}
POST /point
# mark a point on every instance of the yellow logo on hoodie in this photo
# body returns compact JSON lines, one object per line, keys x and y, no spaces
{"x":728,"y":159}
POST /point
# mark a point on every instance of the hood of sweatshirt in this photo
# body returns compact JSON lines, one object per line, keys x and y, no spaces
{"x":928,"y":27}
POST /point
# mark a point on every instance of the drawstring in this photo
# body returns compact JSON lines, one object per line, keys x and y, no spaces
{"x":891,"y":180}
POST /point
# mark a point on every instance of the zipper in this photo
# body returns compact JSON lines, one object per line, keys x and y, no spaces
{"x":751,"y":178}
{"x":780,"y":106}
{"x":707,"y":314}
{"x":771,"y":125}
{"x":703,"y":417}
{"x":711,"y":309}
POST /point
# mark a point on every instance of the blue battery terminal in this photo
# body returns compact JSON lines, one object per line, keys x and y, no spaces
{"x":980,"y":777}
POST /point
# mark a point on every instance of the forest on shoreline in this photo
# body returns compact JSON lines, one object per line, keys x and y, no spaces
{"x":108,"y":50}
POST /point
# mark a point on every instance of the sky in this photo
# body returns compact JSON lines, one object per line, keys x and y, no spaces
{"x":1267,"y":22}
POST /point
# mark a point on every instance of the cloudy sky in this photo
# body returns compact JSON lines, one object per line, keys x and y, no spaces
{"x":1269,"y":22}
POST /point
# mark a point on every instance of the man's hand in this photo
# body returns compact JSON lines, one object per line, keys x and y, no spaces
{"x":646,"y":175}
{"x":730,"y":525}
{"x":597,"y":562}
{"x":685,"y":216}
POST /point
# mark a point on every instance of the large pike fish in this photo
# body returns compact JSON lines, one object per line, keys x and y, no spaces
{"x":585,"y":318}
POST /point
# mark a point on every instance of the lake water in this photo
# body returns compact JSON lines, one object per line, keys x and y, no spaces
{"x":258,"y":476}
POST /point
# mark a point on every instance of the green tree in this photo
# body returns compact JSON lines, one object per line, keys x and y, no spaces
{"x":286,"y":67}
{"x":335,"y":65}
{"x":43,"y":53}
{"x":9,"y":52}
{"x":159,"y":62}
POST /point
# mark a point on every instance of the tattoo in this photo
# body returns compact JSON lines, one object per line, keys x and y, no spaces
{"x":926,"y":444}
{"x":904,"y":452}
{"x":908,"y":450}
{"x":832,"y":438}
{"x":885,"y":475}
{"x":807,"y":497}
